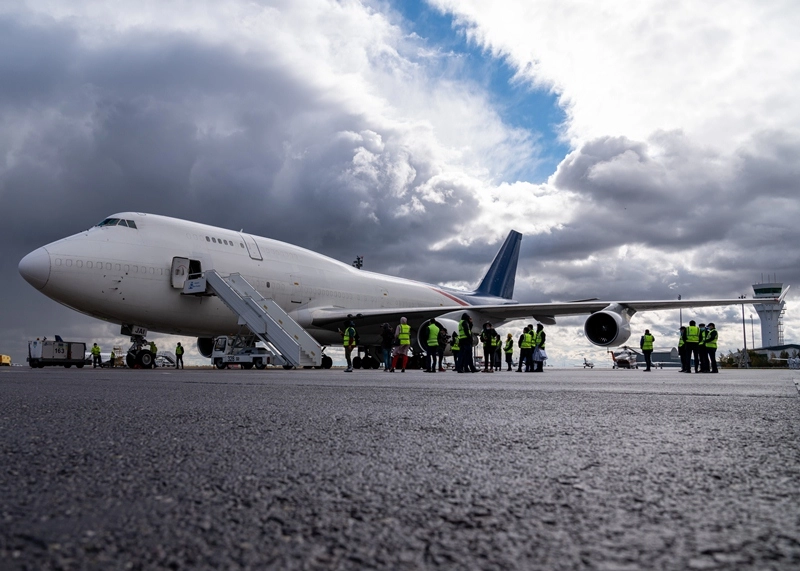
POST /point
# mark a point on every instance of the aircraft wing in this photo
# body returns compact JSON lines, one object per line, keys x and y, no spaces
{"x":542,"y":312}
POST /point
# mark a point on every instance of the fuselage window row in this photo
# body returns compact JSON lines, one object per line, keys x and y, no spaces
{"x":109,"y":265}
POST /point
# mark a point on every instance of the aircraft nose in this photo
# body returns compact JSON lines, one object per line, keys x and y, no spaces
{"x":35,"y":268}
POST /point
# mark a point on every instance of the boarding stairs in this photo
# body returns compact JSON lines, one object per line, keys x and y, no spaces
{"x":263,"y":316}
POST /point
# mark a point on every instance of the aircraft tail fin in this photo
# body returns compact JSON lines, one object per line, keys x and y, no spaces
{"x":499,"y":279}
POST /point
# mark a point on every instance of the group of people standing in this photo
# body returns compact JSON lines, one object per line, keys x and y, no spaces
{"x":695,"y":341}
{"x":700,"y":342}
{"x":434,"y":338}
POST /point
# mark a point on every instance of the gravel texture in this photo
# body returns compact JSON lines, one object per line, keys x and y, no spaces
{"x":307,"y":469}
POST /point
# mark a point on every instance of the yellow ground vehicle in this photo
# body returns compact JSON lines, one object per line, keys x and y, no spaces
{"x":5,"y":361}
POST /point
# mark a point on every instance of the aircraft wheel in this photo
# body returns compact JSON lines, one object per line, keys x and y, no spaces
{"x":145,"y":359}
{"x":247,"y":366}
{"x":220,"y":364}
{"x":327,"y":362}
{"x":288,"y":367}
{"x":130,"y":360}
{"x":34,"y":363}
{"x":260,"y":365}
{"x":357,"y":363}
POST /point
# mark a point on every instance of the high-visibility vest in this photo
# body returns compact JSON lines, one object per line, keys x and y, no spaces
{"x":95,"y":350}
{"x":495,"y":341}
{"x":454,"y":345}
{"x":462,"y":329}
{"x":349,"y":336}
{"x":711,"y":339}
{"x":693,"y":334}
{"x":538,"y":340}
{"x":153,"y":348}
{"x":405,"y":334}
{"x":509,"y":348}
{"x":179,"y":350}
{"x":527,"y":339}
{"x":680,"y":341}
{"x":648,"y":343}
{"x":433,"y":335}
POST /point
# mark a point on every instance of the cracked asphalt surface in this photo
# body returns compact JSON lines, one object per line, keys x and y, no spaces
{"x":311,"y":469}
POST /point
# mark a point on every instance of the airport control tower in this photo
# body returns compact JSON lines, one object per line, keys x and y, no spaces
{"x":771,"y":315}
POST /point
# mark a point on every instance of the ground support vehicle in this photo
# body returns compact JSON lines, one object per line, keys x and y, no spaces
{"x":54,"y":353}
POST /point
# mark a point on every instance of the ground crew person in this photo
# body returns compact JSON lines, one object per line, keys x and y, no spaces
{"x":682,"y":350}
{"x":96,"y":360}
{"x":403,"y":334}
{"x":691,"y":338}
{"x":432,"y":346}
{"x":711,"y":347}
{"x":443,"y":339}
{"x":349,"y":342}
{"x":456,"y":351}
{"x":465,"y":344}
{"x":487,"y":338}
{"x":112,"y":363}
{"x":701,"y":349}
{"x":509,"y":350}
{"x":525,"y":343}
{"x":154,"y":351}
{"x":538,"y":343}
{"x":646,"y":345}
{"x":179,"y":356}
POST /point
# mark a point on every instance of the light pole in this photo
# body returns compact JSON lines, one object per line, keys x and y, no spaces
{"x":744,"y":336}
{"x":680,"y":311}
{"x":752,"y":333}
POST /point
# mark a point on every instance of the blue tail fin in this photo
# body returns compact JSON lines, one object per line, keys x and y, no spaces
{"x":499,"y":280}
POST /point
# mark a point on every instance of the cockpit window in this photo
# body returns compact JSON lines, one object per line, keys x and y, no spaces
{"x":117,"y":222}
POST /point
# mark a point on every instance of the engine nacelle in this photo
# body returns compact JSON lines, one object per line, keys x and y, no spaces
{"x":206,"y":346}
{"x":448,"y":324}
{"x":608,"y":328}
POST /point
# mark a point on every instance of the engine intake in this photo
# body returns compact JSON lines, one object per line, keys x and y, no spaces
{"x":608,"y":328}
{"x":205,"y":345}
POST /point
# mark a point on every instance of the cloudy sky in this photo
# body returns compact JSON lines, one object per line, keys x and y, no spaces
{"x":645,"y":148}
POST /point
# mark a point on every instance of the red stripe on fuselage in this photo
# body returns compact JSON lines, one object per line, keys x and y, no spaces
{"x":454,"y":298}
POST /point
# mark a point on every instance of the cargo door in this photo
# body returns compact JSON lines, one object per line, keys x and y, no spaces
{"x":252,"y":247}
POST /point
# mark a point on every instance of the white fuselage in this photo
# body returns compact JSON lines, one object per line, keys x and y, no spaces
{"x":128,"y":276}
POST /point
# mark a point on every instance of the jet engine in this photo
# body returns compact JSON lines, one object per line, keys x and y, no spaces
{"x":205,"y":345}
{"x":610,"y":327}
{"x":449,"y":324}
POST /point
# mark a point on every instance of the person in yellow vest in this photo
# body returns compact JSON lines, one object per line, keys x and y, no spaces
{"x":350,"y":343}
{"x":403,"y":334}
{"x":525,"y":352}
{"x":112,"y":363}
{"x":443,"y":339}
{"x":509,"y":351}
{"x":179,"y":356}
{"x":711,"y":347}
{"x":465,"y":345}
{"x":431,"y":346}
{"x":682,"y":350}
{"x":96,"y":360}
{"x":701,"y":349}
{"x":539,"y":354}
{"x":455,"y":350}
{"x":691,"y":338}
{"x":154,"y":351}
{"x":646,"y":345}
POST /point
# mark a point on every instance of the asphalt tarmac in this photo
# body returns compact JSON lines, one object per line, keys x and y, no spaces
{"x":313,"y":469}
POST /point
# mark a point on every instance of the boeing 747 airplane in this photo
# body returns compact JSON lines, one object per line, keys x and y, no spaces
{"x":150,"y":272}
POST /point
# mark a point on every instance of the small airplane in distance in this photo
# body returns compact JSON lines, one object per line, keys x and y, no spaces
{"x":147,"y":272}
{"x":587,"y":364}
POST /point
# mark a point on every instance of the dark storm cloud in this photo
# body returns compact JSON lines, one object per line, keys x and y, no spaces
{"x":731,"y":218}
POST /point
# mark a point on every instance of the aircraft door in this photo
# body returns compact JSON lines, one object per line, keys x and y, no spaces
{"x":180,"y":269}
{"x":252,"y":247}
{"x":294,"y":289}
